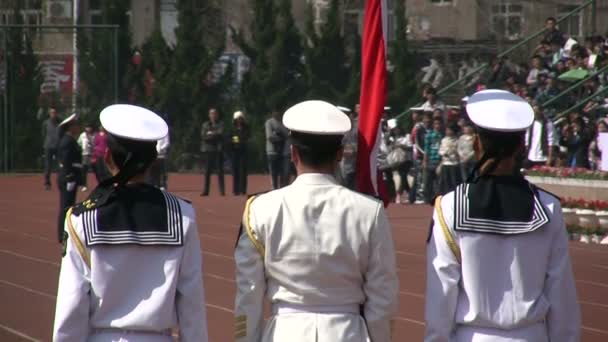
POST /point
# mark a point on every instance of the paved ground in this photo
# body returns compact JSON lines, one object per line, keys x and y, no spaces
{"x":29,"y":261}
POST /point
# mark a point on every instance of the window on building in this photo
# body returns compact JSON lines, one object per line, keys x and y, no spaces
{"x":354,"y":18}
{"x":95,"y":13}
{"x":507,"y":20}
{"x":573,"y":26}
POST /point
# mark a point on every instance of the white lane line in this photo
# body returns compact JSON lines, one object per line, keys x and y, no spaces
{"x":409,"y":320}
{"x":218,"y":307}
{"x":19,"y":333}
{"x":217,"y":255}
{"x":29,"y":235}
{"x":215,"y":237}
{"x":594,"y":283}
{"x":603,"y":267}
{"x":23,"y":256}
{"x":592,"y":304}
{"x":219,"y":277}
{"x":599,"y":331}
{"x":27,"y":289}
{"x":410,"y":254}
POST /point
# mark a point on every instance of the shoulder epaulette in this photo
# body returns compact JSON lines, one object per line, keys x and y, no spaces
{"x":83,"y":206}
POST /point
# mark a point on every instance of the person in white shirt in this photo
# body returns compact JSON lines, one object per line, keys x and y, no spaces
{"x":541,"y":140}
{"x":498,"y":267}
{"x":432,"y":102}
{"x":322,"y":254}
{"x":157,"y":173}
{"x":132,"y":264}
{"x":86,"y":140}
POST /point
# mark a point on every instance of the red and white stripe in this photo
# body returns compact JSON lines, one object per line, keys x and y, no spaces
{"x":373,"y":98}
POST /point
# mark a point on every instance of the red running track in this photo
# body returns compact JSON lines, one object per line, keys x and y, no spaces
{"x":30,"y":256}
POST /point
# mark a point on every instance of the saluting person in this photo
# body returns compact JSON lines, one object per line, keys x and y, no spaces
{"x":322,"y":254}
{"x":69,"y":176}
{"x":498,"y":267}
{"x":132,"y":267}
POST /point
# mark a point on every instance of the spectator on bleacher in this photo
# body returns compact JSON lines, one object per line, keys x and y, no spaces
{"x":548,"y":89}
{"x":432,"y":101}
{"x":595,"y":152}
{"x":577,"y":140}
{"x":553,"y":34}
{"x":557,"y":53}
{"x":536,"y":69}
{"x":432,"y":158}
{"x":540,"y":140}
{"x":449,"y":171}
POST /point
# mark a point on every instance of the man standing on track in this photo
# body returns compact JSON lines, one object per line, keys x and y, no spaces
{"x":50,"y":132}
{"x":498,"y":267}
{"x":212,"y":135}
{"x":69,"y":177}
{"x":321,"y":253}
{"x":132,"y":268}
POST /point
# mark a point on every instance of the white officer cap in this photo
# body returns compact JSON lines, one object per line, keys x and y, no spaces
{"x":133,"y":123}
{"x":317,"y":118}
{"x":500,"y":110}
{"x":69,"y":119}
{"x":344,"y":109}
{"x":238,"y":114}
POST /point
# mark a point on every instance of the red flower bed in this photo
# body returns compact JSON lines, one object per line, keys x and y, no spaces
{"x":576,"y":173}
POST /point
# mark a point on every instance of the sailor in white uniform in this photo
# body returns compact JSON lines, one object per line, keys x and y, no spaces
{"x":498,"y":267}
{"x":322,"y":254}
{"x":132,"y":265}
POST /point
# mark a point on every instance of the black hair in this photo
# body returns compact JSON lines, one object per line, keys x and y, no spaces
{"x":132,"y":158}
{"x":551,"y":19}
{"x":316,"y":150}
{"x":498,"y":146}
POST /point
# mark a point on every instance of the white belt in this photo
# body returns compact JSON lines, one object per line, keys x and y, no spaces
{"x":290,"y":308}
{"x":95,"y":331}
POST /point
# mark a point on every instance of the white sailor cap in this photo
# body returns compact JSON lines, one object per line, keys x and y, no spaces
{"x":317,"y":118}
{"x":500,"y":110}
{"x":133,"y":123}
{"x":238,"y":114}
{"x":344,"y":109}
{"x":391,"y":123}
{"x":417,"y":109}
{"x":69,"y":119}
{"x":465,"y":99}
{"x":387,"y":108}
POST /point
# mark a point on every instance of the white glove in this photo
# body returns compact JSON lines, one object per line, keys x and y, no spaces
{"x":71,"y":186}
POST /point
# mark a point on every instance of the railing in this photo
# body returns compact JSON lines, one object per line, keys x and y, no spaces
{"x":513,"y":48}
{"x":574,"y":86}
{"x":580,"y":103}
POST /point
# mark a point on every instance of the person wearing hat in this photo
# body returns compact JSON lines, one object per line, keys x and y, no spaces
{"x":239,"y":139}
{"x":322,"y":254}
{"x":69,"y":155}
{"x":132,"y":264}
{"x":498,"y":267}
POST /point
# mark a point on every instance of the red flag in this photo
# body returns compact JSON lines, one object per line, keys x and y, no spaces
{"x":373,"y":97}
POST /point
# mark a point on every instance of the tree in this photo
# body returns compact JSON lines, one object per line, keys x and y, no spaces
{"x":23,"y":87}
{"x":186,"y":91}
{"x":327,"y":70}
{"x":275,"y":79}
{"x":402,"y":80}
{"x":96,"y":59}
